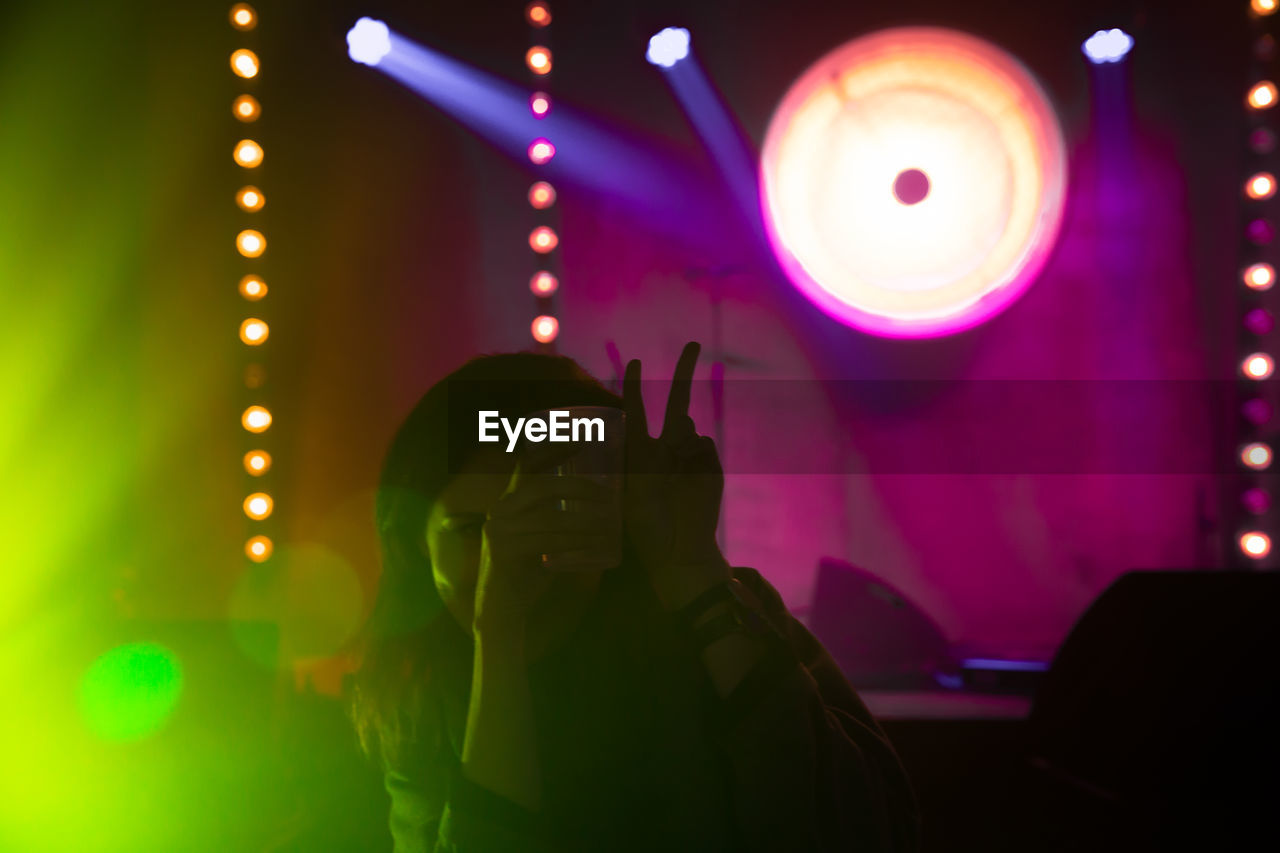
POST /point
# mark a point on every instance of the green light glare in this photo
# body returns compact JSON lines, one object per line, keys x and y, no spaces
{"x":130,"y":691}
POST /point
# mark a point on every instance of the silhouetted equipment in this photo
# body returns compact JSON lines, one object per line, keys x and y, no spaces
{"x":876,"y":634}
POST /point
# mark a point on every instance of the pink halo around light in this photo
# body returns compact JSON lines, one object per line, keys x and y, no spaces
{"x":960,"y":110}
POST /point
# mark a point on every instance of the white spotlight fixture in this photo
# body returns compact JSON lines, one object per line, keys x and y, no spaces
{"x":668,"y":47}
{"x":368,"y":41}
{"x":1107,"y":46}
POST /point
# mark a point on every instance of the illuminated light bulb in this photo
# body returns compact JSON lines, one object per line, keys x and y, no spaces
{"x":1261,"y":186}
{"x":542,"y":195}
{"x":1255,"y":544}
{"x":543,"y":283}
{"x":256,"y":419}
{"x":258,"y":505}
{"x":251,"y":243}
{"x":1264,"y":7}
{"x":253,"y":331}
{"x":538,"y":58}
{"x":1107,"y":46}
{"x":1256,"y":456}
{"x":541,"y":151}
{"x":368,"y":41}
{"x":258,"y":549}
{"x":543,"y":239}
{"x":537,"y":14}
{"x":545,"y":328}
{"x":257,"y":462}
{"x":1258,"y":366}
{"x":253,"y":288}
{"x":248,"y":153}
{"x":244,"y":63}
{"x":243,"y":17}
{"x":1262,"y":96}
{"x":246,"y":108}
{"x":540,"y":104}
{"x":668,"y":47}
{"x":250,"y":199}
{"x":1260,"y":277}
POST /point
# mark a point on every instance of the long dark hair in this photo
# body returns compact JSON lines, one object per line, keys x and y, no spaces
{"x":409,"y":632}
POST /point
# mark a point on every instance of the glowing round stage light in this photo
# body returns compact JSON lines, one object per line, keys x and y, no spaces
{"x":668,"y":47}
{"x":543,"y":283}
{"x":541,"y":151}
{"x":256,"y":419}
{"x":246,"y":108}
{"x":251,"y":243}
{"x":1260,"y":277}
{"x":257,"y":462}
{"x":538,"y":58}
{"x":253,"y":288}
{"x":245,"y":63}
{"x":539,"y":104}
{"x":1261,"y":186}
{"x":258,"y":505}
{"x":1257,"y":366}
{"x":1255,"y":544}
{"x":1264,"y":7}
{"x":1107,"y":46}
{"x":545,"y":328}
{"x":254,"y":331}
{"x":543,"y":240}
{"x":537,"y":14}
{"x":542,"y":195}
{"x":258,"y":549}
{"x":248,"y":153}
{"x":913,"y":182}
{"x":1256,"y":456}
{"x":1263,"y":95}
{"x":243,"y":17}
{"x":250,"y":199}
{"x":368,"y":41}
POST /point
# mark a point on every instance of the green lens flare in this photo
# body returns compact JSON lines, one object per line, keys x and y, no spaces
{"x":130,"y":691}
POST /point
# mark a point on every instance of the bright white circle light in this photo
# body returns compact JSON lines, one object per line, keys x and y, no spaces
{"x":368,"y":41}
{"x":668,"y":47}
{"x":913,"y":181}
{"x":1107,"y":46}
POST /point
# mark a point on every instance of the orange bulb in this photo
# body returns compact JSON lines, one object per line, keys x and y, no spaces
{"x":253,"y":331}
{"x":256,"y":419}
{"x":246,"y":108}
{"x":257,"y":462}
{"x":1260,"y":277}
{"x":248,"y":153}
{"x":1258,"y":366}
{"x":545,"y":328}
{"x":243,"y":17}
{"x":1255,"y":544}
{"x":258,"y":549}
{"x":537,"y":14}
{"x":253,"y":288}
{"x":1263,"y":7}
{"x":543,"y":283}
{"x":538,"y":58}
{"x":244,"y":63}
{"x":251,"y":243}
{"x":542,"y":195}
{"x":543,"y":240}
{"x":1260,"y":186}
{"x":250,"y":199}
{"x":258,"y":505}
{"x":1256,"y":456}
{"x":1263,"y":95}
{"x":541,"y":151}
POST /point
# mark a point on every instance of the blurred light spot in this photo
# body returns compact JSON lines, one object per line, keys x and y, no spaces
{"x":255,"y":419}
{"x":543,"y":283}
{"x":537,"y":14}
{"x":1262,"y":95}
{"x":538,"y":58}
{"x":130,"y":691}
{"x":246,"y":108}
{"x":1256,"y":456}
{"x":1261,"y":186}
{"x":244,"y":63}
{"x":541,"y":151}
{"x":1255,"y":544}
{"x":258,"y":505}
{"x":1256,"y":500}
{"x":540,"y":104}
{"x":253,"y":331}
{"x":257,"y":462}
{"x":250,"y":199}
{"x":543,"y":239}
{"x":668,"y":47}
{"x":253,"y":288}
{"x":545,"y":328}
{"x":1260,"y":276}
{"x":1260,"y":232}
{"x":1259,"y":321}
{"x":542,"y":195}
{"x":1265,"y":48}
{"x":1256,"y":411}
{"x":1107,"y":46}
{"x":243,"y":17}
{"x":368,"y":41}
{"x":1262,"y":140}
{"x":248,"y":153}
{"x":258,"y":548}
{"x":1263,"y":7}
{"x":1258,"y":366}
{"x":251,"y":243}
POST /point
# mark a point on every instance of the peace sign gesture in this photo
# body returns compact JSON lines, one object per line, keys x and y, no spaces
{"x":673,"y":487}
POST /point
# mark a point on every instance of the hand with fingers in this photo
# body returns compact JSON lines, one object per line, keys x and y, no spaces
{"x":673,"y":488}
{"x":523,"y":529}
